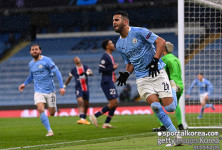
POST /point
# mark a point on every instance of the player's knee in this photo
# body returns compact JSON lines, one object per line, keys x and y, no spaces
{"x":156,"y":107}
{"x":40,"y":109}
{"x":114,"y":106}
{"x":171,"y":107}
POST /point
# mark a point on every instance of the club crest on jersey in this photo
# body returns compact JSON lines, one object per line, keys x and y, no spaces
{"x":102,"y":61}
{"x":40,"y":66}
{"x":134,"y":40}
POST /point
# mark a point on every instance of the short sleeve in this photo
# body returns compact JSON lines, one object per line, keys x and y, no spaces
{"x":86,"y":67}
{"x":72,"y":72}
{"x":52,"y":65}
{"x":147,"y":35}
{"x":103,"y":61}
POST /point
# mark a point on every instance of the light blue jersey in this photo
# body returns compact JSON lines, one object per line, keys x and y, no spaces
{"x":204,"y":86}
{"x":138,"y":49}
{"x":41,"y":72}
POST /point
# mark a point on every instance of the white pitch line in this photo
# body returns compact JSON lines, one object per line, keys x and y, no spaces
{"x":34,"y":146}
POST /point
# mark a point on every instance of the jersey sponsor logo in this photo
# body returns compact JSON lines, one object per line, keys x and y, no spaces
{"x":148,"y":35}
{"x":103,"y":62}
{"x":40,"y":66}
{"x":134,"y":40}
{"x":134,"y":52}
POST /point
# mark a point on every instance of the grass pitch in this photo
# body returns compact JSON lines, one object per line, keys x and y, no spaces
{"x":131,"y":132}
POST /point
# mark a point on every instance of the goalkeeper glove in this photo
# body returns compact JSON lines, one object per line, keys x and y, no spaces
{"x":123,"y":76}
{"x":153,"y":67}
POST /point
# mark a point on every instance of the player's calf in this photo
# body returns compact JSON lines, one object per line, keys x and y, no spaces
{"x":163,"y":117}
{"x":171,"y":107}
{"x":52,"y":111}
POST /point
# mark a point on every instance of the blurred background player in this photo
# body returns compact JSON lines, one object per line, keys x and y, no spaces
{"x":136,"y":46}
{"x":205,"y":90}
{"x":125,"y":95}
{"x":173,"y":70}
{"x":41,"y":71}
{"x":107,"y":67}
{"x":81,"y":73}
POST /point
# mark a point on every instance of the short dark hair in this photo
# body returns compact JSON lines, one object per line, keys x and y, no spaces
{"x":35,"y":44}
{"x":105,"y":43}
{"x":122,"y":13}
{"x":200,"y":73}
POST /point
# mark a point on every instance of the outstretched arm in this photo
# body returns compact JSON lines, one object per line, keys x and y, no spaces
{"x":59,"y":77}
{"x":27,"y":81}
{"x":210,"y":88}
{"x":68,"y":80}
{"x":190,"y":89}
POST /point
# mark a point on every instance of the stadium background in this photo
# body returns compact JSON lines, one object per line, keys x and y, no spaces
{"x":71,"y":28}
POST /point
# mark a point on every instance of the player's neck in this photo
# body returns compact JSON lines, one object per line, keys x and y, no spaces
{"x":165,"y":53}
{"x":78,"y":65}
{"x":109,"y":51}
{"x":38,"y":58}
{"x":125,"y":32}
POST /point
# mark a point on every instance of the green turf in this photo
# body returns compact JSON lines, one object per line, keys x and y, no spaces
{"x":131,"y":132}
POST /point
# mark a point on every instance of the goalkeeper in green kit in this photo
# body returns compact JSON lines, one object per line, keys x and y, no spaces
{"x":173,"y":69}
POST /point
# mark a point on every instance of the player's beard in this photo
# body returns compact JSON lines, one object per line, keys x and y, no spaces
{"x":119,"y":29}
{"x":35,"y":56}
{"x":77,"y":63}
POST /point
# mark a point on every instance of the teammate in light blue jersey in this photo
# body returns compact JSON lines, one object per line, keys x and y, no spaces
{"x":205,"y":90}
{"x":136,"y":46}
{"x":41,"y":70}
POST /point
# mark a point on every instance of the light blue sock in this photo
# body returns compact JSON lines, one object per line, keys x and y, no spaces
{"x":202,"y":110}
{"x":208,"y":105}
{"x":174,"y":96}
{"x":45,"y":121}
{"x":163,"y":117}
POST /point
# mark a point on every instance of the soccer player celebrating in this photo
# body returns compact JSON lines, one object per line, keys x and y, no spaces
{"x":136,"y":46}
{"x":81,"y":73}
{"x":173,"y":70}
{"x":107,"y":67}
{"x":41,"y":71}
{"x":205,"y":90}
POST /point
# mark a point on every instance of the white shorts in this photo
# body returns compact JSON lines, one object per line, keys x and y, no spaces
{"x":159,"y":85}
{"x":50,"y":99}
{"x":202,"y":96}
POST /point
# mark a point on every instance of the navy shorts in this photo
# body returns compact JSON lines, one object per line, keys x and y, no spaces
{"x":83,"y":94}
{"x":109,"y":90}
